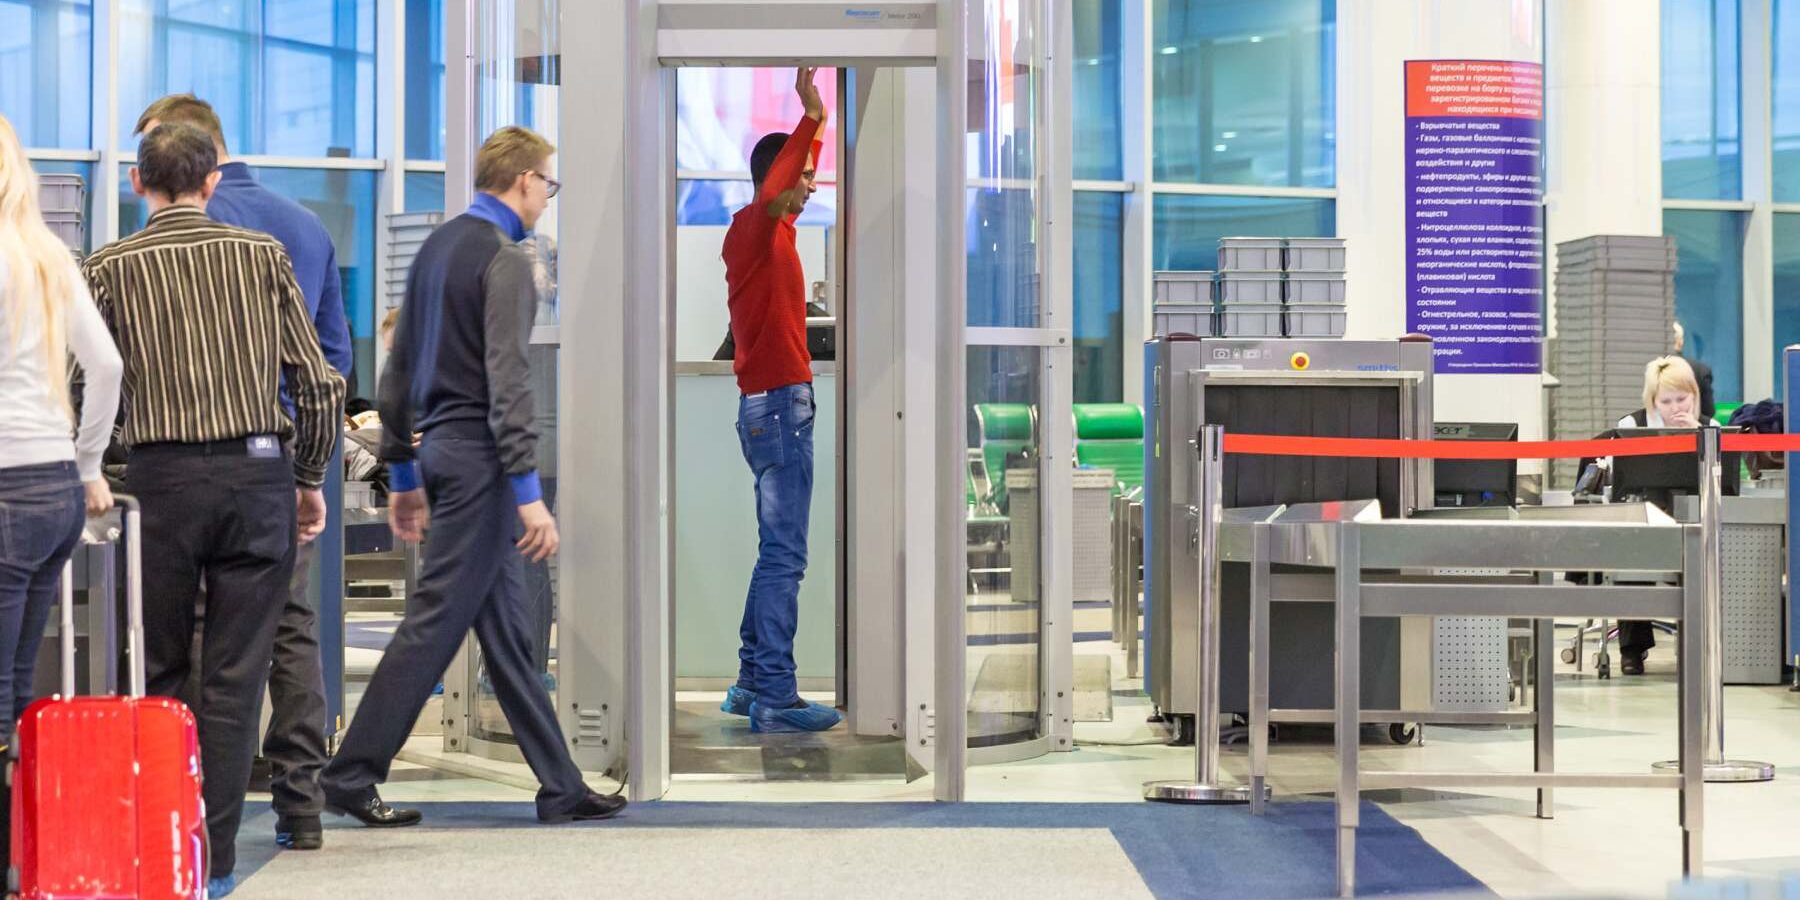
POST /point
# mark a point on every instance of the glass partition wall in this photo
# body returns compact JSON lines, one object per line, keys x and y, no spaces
{"x":1018,"y":376}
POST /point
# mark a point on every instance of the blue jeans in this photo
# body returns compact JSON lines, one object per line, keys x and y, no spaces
{"x":41,"y":512}
{"x":775,"y":430}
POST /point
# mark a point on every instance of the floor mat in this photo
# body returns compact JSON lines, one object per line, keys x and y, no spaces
{"x":1176,"y":852}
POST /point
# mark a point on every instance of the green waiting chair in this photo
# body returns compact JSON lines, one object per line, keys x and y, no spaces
{"x":1006,"y":429}
{"x":1111,"y":436}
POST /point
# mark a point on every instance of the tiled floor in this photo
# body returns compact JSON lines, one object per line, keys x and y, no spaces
{"x":1614,"y":842}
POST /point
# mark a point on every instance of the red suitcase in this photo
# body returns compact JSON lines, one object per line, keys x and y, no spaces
{"x":106,"y":790}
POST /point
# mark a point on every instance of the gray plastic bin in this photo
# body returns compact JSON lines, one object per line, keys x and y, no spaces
{"x":1315,"y":319}
{"x":1315,"y":287}
{"x":67,"y":226}
{"x":1251,"y":254}
{"x":1250,"y":320}
{"x":62,"y":193}
{"x":1250,"y":287}
{"x":1315,"y":254}
{"x":1183,"y":318}
{"x":1183,"y":287}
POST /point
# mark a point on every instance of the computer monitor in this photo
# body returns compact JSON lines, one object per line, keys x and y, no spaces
{"x":1475,"y":482}
{"x":1659,"y":478}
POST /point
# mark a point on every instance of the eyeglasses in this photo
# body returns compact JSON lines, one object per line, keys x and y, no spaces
{"x":551,"y":185}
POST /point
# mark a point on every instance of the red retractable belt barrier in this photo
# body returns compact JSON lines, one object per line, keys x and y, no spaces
{"x":1760,"y":443}
{"x":1277,"y":445}
{"x":1381,"y":448}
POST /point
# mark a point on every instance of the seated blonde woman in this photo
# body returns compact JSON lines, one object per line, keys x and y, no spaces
{"x":1671,"y":400}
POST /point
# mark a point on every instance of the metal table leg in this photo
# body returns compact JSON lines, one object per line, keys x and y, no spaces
{"x":1348,"y":701}
{"x":1696,"y":628}
{"x":1543,"y":693}
{"x":1259,"y":668}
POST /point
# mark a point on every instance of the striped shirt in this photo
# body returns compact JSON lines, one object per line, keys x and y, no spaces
{"x":206,"y":317}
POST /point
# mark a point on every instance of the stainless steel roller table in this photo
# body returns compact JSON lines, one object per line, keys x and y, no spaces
{"x":1367,"y":567}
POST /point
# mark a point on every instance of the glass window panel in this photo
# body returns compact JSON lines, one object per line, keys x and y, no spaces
{"x":1786,"y":99}
{"x":1099,"y":325}
{"x":346,"y":202}
{"x":287,"y":77}
{"x":425,"y":79}
{"x":715,"y":201}
{"x":722,"y":113}
{"x":424,"y":192}
{"x":1188,"y":228}
{"x":308,"y":21}
{"x":1787,"y":290}
{"x":46,"y":66}
{"x":1001,"y":212}
{"x":1700,"y":100}
{"x":1709,"y":292}
{"x":238,"y":14}
{"x":1005,"y":572}
{"x":1243,"y":92}
{"x":1099,"y":152}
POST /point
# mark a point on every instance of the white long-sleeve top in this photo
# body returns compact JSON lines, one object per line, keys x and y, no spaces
{"x":34,"y":424}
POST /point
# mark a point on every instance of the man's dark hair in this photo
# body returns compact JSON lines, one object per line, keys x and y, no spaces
{"x":763,"y":157}
{"x":175,"y":158}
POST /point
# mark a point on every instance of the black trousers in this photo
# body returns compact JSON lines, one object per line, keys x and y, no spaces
{"x":213,"y":514}
{"x":1636,"y":637}
{"x":472,"y":575}
{"x":294,"y":744}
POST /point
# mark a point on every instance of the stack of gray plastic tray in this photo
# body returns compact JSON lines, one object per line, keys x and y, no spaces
{"x":1183,"y":303}
{"x":63,"y":199}
{"x":406,"y":234}
{"x":1615,"y":312}
{"x":1313,"y":287}
{"x":1250,"y":286}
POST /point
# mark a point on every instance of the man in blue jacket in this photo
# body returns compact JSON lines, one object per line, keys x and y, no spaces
{"x":295,"y":742}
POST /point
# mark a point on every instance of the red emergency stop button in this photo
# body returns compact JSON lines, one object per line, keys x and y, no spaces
{"x":1300,"y":361}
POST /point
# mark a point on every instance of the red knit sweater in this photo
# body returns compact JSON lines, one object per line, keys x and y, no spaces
{"x":765,"y":285}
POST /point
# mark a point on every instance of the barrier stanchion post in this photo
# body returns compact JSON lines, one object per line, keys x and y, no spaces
{"x":1790,"y":368}
{"x":1206,"y":786}
{"x":1712,"y":649}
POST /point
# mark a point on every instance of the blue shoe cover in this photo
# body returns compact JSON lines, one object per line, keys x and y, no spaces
{"x":811,"y":717}
{"x":737,"y":701}
{"x":220,"y":887}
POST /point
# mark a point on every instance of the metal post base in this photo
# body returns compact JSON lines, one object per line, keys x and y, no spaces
{"x":1189,"y":792}
{"x":1729,"y":771}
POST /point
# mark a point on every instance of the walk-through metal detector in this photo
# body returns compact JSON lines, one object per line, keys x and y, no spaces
{"x":954,"y":136}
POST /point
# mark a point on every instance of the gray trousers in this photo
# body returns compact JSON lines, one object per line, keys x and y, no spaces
{"x":472,"y":576}
{"x":295,"y":742}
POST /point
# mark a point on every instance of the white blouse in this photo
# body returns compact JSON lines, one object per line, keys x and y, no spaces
{"x":36,"y":424}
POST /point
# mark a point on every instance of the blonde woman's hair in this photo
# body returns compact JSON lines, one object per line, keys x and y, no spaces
{"x":1673,"y":373}
{"x":40,"y":271}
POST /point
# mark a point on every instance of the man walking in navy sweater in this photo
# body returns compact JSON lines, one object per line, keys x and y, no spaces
{"x":459,"y":374}
{"x":295,"y":742}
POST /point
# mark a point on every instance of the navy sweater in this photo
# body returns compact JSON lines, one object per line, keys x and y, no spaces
{"x":460,"y":346}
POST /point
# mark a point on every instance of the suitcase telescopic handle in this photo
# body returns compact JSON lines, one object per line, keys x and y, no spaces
{"x":132,"y":525}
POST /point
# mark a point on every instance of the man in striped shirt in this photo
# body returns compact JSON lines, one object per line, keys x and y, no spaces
{"x":207,"y":318}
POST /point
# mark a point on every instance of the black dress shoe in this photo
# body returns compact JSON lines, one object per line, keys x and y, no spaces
{"x":591,"y":808}
{"x":299,"y":833}
{"x":371,"y":811}
{"x":1632,"y":664}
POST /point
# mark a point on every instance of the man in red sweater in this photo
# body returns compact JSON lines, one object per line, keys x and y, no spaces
{"x":767,"y":294}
